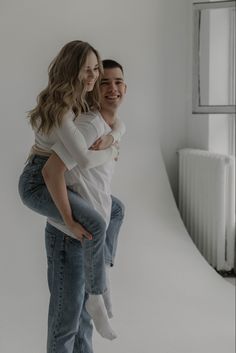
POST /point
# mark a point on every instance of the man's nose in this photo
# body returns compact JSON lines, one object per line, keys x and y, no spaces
{"x":112,"y":86}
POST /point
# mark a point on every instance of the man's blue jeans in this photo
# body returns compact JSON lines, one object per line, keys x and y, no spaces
{"x":69,"y":325}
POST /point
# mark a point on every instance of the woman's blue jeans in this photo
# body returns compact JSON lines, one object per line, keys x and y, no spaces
{"x":34,"y":194}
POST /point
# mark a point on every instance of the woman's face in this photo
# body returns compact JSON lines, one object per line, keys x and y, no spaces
{"x":90,"y":71}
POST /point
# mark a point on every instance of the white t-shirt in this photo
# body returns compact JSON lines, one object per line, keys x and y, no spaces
{"x":93,"y":184}
{"x":75,"y":143}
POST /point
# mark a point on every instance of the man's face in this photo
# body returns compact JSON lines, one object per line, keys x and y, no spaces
{"x":112,"y":88}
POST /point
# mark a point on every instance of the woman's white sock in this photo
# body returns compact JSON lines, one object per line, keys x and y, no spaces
{"x":96,"y":309}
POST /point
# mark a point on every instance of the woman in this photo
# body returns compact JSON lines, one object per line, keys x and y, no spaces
{"x":71,"y":90}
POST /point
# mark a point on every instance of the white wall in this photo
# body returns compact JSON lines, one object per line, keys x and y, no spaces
{"x":150,"y":39}
{"x":173,"y":67}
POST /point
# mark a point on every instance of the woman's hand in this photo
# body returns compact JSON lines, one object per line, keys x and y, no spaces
{"x":102,"y":143}
{"x":79,"y":231}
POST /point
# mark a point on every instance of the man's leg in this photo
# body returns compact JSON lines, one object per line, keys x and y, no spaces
{"x":67,"y":290}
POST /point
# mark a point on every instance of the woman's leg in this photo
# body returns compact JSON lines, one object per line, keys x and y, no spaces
{"x":35,"y":195}
{"x":83,"y":339}
{"x":116,"y":219}
{"x":112,"y":233}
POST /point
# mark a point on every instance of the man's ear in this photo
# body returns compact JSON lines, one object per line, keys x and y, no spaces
{"x":125,"y":88}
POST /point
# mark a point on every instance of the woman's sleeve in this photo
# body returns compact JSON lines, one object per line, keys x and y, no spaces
{"x":118,"y":130}
{"x":76,"y":145}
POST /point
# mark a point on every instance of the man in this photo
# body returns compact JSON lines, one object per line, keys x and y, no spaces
{"x":69,"y":325}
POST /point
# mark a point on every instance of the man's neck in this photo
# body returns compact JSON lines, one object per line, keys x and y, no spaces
{"x":109,"y":116}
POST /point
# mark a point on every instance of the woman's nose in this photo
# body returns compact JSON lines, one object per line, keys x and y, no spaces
{"x":91,"y":74}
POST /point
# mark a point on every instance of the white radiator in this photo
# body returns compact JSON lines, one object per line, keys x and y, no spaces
{"x":207,"y":204}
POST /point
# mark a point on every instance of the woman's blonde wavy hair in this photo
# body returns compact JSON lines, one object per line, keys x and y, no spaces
{"x":65,"y":90}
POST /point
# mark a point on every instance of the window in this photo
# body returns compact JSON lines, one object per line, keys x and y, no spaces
{"x":214,"y":58}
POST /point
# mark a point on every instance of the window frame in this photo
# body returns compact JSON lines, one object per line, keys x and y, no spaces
{"x":197,"y":107}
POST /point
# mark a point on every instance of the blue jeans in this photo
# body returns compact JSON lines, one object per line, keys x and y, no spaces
{"x":112,"y":233}
{"x":34,"y":194}
{"x":69,"y":325}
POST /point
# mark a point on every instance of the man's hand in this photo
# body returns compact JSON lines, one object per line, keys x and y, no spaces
{"x":103,"y":142}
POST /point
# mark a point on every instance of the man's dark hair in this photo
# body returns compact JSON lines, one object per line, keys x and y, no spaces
{"x":111,"y":64}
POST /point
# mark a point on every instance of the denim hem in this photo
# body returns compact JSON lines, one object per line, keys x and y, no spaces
{"x":109,"y":261}
{"x":96,"y":291}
